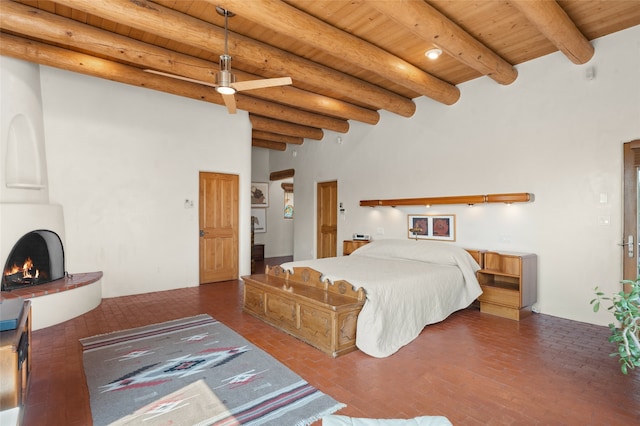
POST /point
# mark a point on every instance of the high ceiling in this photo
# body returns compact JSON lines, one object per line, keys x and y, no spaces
{"x":347,"y":59}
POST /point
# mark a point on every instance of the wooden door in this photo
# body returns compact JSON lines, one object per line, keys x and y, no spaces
{"x":327,"y":219}
{"x":218,"y":227}
{"x":630,"y":228}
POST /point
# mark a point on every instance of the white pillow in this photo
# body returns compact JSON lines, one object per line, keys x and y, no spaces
{"x":442,"y":253}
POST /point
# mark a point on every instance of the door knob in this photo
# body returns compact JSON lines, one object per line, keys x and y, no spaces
{"x":629,"y":245}
{"x":202,"y":232}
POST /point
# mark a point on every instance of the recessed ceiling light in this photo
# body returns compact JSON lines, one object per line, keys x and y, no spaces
{"x":433,"y":53}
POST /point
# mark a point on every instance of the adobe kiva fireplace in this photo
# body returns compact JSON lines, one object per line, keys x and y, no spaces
{"x":37,"y":258}
{"x":32,"y":232}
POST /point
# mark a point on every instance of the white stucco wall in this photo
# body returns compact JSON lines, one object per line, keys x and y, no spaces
{"x":122,"y":161}
{"x":553,"y":132}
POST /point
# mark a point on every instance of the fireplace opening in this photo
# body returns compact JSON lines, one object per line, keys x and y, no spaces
{"x":37,"y":258}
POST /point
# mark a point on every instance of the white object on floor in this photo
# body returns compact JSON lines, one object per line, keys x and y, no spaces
{"x":10,"y":417}
{"x":335,"y":420}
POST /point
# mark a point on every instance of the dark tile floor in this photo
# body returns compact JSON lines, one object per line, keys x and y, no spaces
{"x":474,"y":368}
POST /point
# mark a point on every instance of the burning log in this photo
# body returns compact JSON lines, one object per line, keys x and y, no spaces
{"x":16,"y":277}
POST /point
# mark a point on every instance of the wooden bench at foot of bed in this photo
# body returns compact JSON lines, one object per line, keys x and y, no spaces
{"x":320,"y":313}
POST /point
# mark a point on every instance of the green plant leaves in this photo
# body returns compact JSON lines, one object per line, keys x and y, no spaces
{"x":626,"y":310}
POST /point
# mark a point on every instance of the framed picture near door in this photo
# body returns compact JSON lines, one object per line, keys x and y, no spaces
{"x":259,"y":220}
{"x":259,"y":194}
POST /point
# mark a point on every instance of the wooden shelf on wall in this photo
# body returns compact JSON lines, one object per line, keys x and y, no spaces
{"x":518,"y":197}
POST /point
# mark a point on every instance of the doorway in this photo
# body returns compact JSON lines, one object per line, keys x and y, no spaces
{"x":630,"y":206}
{"x":218,"y":213}
{"x":327,"y":226}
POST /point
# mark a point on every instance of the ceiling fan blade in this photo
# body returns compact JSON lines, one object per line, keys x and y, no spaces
{"x":259,"y":84}
{"x":179,"y":77}
{"x":230,"y":102}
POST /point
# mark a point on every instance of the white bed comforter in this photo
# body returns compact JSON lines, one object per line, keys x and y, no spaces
{"x":409,"y":284}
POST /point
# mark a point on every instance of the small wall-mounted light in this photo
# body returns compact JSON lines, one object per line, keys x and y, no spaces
{"x":416,"y":231}
{"x":428,"y":206}
{"x":433,"y":53}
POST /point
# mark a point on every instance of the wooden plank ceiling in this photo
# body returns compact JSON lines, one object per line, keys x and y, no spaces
{"x":347,"y":59}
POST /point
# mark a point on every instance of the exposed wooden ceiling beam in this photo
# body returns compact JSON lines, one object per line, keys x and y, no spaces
{"x":432,"y":26}
{"x":284,"y":19}
{"x":292,"y":115}
{"x":45,"y":54}
{"x":259,"y":134}
{"x":282,"y":174}
{"x":313,"y":102}
{"x":554,"y":23}
{"x":168,"y":23}
{"x":276,"y":126}
{"x":262,"y":143}
{"x":287,"y":186}
{"x":42,"y":25}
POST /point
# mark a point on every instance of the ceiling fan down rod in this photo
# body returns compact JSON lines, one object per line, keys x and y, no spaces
{"x":224,"y":77}
{"x":227,"y":14}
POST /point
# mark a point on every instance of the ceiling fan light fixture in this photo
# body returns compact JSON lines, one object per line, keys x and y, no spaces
{"x":225,"y":90}
{"x":225,"y":78}
{"x":433,"y":53}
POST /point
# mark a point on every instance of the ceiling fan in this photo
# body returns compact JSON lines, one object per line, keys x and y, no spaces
{"x":226,"y":83}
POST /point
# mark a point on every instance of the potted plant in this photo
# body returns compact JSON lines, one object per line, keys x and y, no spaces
{"x":625,"y":309}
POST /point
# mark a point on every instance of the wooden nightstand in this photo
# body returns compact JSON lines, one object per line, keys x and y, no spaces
{"x":509,"y":284}
{"x":348,"y":246}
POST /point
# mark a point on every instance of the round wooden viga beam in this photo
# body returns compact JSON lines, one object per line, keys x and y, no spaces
{"x":261,"y":143}
{"x":45,"y":54}
{"x":552,"y":21}
{"x":259,"y":134}
{"x":38,"y":24}
{"x":171,"y":24}
{"x":284,"y":128}
{"x":430,"y":25}
{"x":292,"y":22}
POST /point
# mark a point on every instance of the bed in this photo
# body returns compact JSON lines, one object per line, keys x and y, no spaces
{"x":408,"y":284}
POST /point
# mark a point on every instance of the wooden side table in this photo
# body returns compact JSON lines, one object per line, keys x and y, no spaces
{"x":509,"y":284}
{"x":15,"y":361}
{"x":257,"y":252}
{"x":349,"y":246}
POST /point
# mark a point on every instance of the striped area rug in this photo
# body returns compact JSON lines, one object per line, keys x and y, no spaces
{"x":194,"y":371}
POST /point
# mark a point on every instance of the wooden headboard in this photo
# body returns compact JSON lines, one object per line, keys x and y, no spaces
{"x":478,"y":256}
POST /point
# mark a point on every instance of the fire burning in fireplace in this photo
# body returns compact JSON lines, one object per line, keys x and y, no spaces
{"x":37,"y":258}
{"x":22,"y":275}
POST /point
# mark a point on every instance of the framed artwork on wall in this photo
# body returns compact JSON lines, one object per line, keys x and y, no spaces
{"x":443,"y":227}
{"x":432,"y":227}
{"x":418,"y":226}
{"x":288,"y":205}
{"x":259,"y":220}
{"x":259,"y":194}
